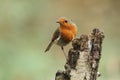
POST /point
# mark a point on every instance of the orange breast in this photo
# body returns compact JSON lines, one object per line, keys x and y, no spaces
{"x":66,"y":35}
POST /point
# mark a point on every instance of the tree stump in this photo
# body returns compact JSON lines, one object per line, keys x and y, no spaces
{"x":83,"y":58}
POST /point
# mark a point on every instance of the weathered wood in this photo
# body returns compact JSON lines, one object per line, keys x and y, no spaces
{"x":83,"y":58}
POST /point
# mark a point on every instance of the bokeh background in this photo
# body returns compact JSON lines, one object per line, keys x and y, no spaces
{"x":26,"y":27}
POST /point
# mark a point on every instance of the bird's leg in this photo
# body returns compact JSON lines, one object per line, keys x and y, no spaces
{"x":64,"y":53}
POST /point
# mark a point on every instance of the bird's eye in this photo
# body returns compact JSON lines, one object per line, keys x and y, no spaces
{"x":66,"y":21}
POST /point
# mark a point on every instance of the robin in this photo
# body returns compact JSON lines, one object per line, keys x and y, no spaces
{"x":64,"y":34}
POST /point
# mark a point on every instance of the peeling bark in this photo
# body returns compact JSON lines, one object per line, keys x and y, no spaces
{"x":83,"y":58}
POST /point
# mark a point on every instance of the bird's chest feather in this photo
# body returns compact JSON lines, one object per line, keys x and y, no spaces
{"x":65,"y":37}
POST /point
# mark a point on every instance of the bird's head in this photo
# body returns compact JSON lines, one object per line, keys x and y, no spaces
{"x":65,"y":22}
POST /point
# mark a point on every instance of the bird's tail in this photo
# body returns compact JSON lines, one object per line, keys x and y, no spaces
{"x":49,"y":46}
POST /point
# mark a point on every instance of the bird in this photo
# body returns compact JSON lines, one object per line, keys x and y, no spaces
{"x":64,"y":34}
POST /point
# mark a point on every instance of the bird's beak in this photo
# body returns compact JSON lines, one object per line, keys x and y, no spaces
{"x":57,"y":22}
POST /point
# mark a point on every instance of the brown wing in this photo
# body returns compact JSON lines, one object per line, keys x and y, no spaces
{"x":55,"y":36}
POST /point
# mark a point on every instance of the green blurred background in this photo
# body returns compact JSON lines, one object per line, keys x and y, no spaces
{"x":26,"y":27}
